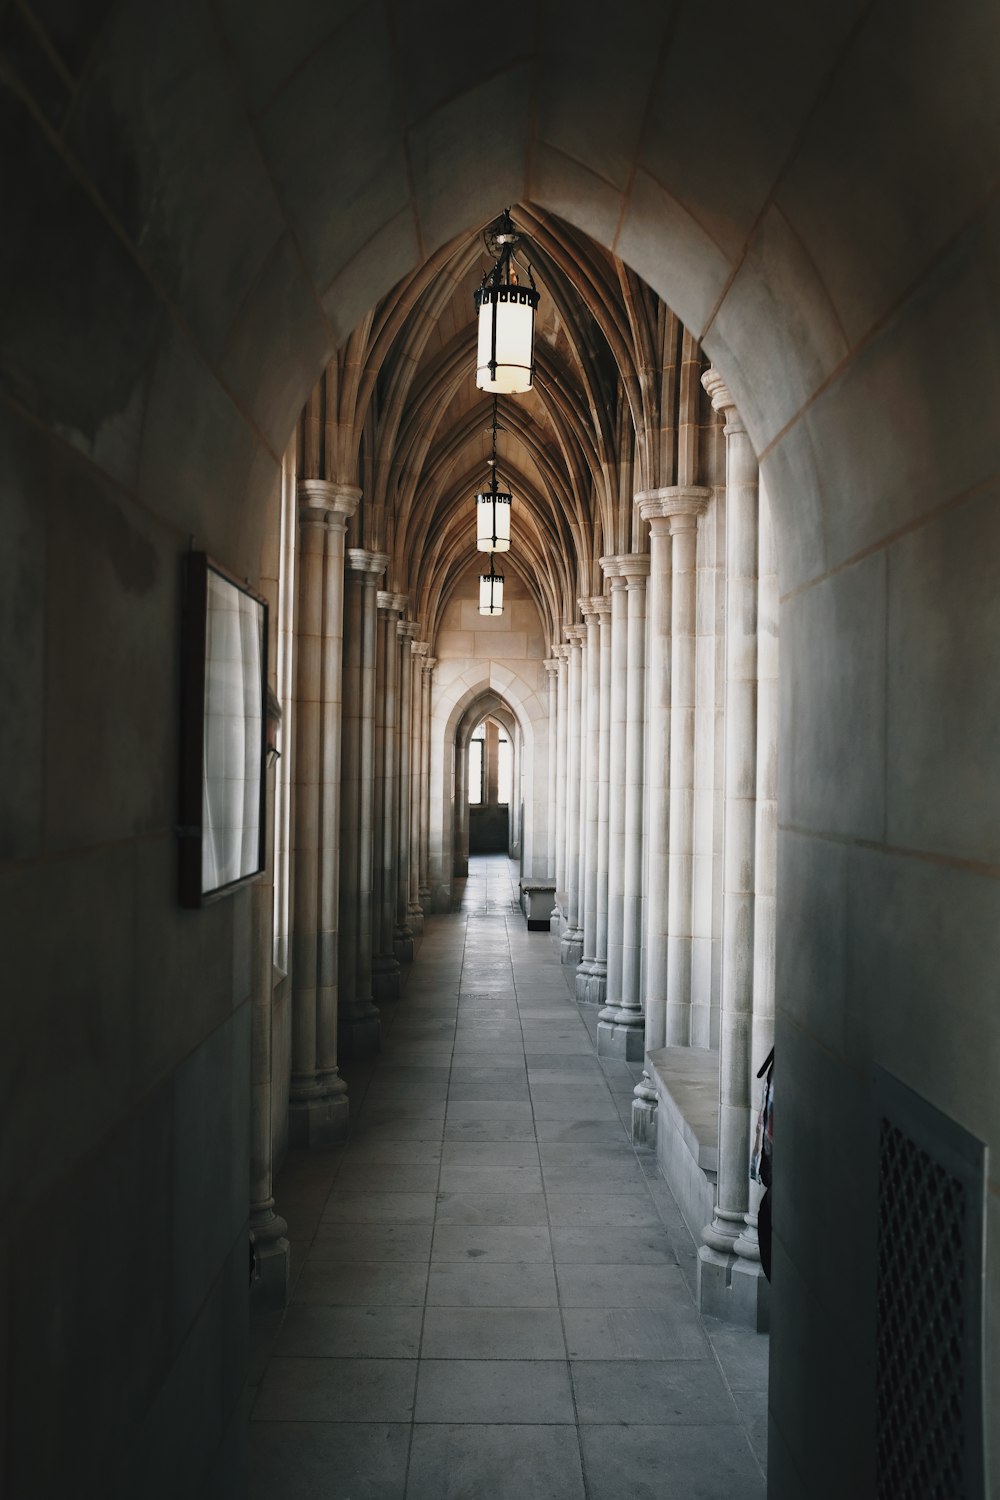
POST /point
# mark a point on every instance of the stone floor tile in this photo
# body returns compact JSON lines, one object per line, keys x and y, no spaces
{"x":362,"y":1283}
{"x":341,"y":1390}
{"x":576,"y":1065}
{"x":752,"y":1407}
{"x":350,"y":1332}
{"x":491,"y":1284}
{"x":655,"y":1392}
{"x":379,"y":1208}
{"x":626,"y":1180}
{"x":489,"y":1109}
{"x":491,"y":1242}
{"x":488,"y":1130}
{"x":487,"y":1390}
{"x":492,"y":1208}
{"x":476,"y":1179}
{"x":635,"y":1333}
{"x":547,"y":1106}
{"x":645,"y":1246}
{"x":669,"y":1463}
{"x":498,"y":1088}
{"x":489,"y":1154}
{"x":621,"y":1286}
{"x":607,"y":1132}
{"x":328,"y":1460}
{"x":500,"y":1462}
{"x":393,"y":1153}
{"x":742,"y":1354}
{"x":492,"y":1333}
{"x":363,"y":1242}
{"x":583,"y":1210}
{"x":381,"y":1177}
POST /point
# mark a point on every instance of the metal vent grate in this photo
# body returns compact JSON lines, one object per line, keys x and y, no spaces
{"x":929,"y":1303}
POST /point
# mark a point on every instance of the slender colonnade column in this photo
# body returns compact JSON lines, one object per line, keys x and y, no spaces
{"x":552,"y":672}
{"x":426,"y":672}
{"x":561,"y":653}
{"x":385,"y":965}
{"x":657,"y":809}
{"x":360,"y":1027}
{"x":685,"y":505}
{"x":597,"y":987}
{"x":724,"y":1280}
{"x":415,"y":911}
{"x":571,"y":948}
{"x":590,"y":730}
{"x":402,"y":938}
{"x":628,"y":1037}
{"x":318,"y":1100}
{"x":617,"y":733}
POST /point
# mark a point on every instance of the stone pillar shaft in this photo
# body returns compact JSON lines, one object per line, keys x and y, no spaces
{"x":590,"y":791}
{"x":552,"y":671}
{"x":561,"y":654}
{"x":385,"y":964}
{"x":318,"y":1094}
{"x":636,"y":570}
{"x":617,"y":734}
{"x":572,"y":940}
{"x":426,"y":673}
{"x":685,"y":507}
{"x":657,"y":800}
{"x":419,"y":650}
{"x":402,"y":932}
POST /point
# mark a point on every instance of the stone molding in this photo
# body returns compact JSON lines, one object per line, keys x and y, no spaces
{"x":551,"y":666}
{"x":362,"y":561}
{"x":391,"y":602}
{"x":575,"y":634}
{"x":722,"y":400}
{"x":679,"y":503}
{"x":420,"y":648}
{"x":325,"y":502}
{"x":406,"y":629}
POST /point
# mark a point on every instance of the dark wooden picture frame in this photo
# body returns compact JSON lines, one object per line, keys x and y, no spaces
{"x":223,"y":788}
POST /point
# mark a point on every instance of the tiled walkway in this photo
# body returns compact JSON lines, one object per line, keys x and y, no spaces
{"x":492,"y":1288}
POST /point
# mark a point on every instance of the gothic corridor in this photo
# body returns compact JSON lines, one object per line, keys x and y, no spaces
{"x":500,"y":788}
{"x":494,"y":1293}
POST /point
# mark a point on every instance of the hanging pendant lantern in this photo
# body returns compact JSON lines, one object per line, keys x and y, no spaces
{"x":491,"y":592}
{"x":506,"y":309}
{"x":493,"y":506}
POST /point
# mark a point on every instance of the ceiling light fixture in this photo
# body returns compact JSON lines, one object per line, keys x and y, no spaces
{"x":493,"y":505}
{"x":504,"y":363}
{"x":491,"y":592}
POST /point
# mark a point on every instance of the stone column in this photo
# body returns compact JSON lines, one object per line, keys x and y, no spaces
{"x":426,"y":673}
{"x":685,"y":506}
{"x":460,"y":855}
{"x":571,"y":947}
{"x":552,"y":671}
{"x":730,"y":1286}
{"x":595,"y":989}
{"x":617,"y":729}
{"x":765,"y":833}
{"x":561,"y":653}
{"x":626,"y":1036}
{"x":360,"y":1027}
{"x":402,"y":938}
{"x":590,"y":752}
{"x":385,"y":964}
{"x":318,"y":1098}
{"x":415,"y":911}
{"x":654,"y":508}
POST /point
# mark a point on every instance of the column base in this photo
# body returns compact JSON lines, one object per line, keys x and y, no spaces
{"x":402,"y":945}
{"x":385,"y":979}
{"x":415,"y":918}
{"x":424,"y":897}
{"x":592,"y":982}
{"x":571,"y":947}
{"x":617,"y":1040}
{"x":359,"y":1036}
{"x":318,"y":1121}
{"x":644,"y":1112}
{"x":272,"y":1252}
{"x":734,"y":1289}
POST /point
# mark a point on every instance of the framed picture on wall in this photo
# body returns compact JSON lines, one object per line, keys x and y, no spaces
{"x":223,"y":730}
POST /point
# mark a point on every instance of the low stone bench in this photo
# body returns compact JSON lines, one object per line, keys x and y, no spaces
{"x":538,"y":897}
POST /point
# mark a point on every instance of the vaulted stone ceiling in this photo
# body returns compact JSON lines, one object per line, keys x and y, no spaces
{"x":398,"y":412}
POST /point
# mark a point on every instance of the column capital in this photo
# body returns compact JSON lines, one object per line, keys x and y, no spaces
{"x":575,"y":634}
{"x":560,"y":652}
{"x":609,"y":567}
{"x":594,"y":605}
{"x":680,"y":504}
{"x":428,"y":665}
{"x":406,"y":630}
{"x":392,"y":603}
{"x":324,"y":501}
{"x":721,"y":400}
{"x":373,"y":563}
{"x":633,"y":567}
{"x":551,"y":665}
{"x":420,"y":648}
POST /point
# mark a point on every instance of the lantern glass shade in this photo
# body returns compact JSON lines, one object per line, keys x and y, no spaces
{"x":491,"y":594}
{"x":506,"y":337}
{"x":493,"y":521}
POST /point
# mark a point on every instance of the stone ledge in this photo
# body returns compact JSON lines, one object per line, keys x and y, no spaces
{"x":686,"y":1080}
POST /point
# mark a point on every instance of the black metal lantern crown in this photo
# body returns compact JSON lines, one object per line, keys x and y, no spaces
{"x":506,"y":309}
